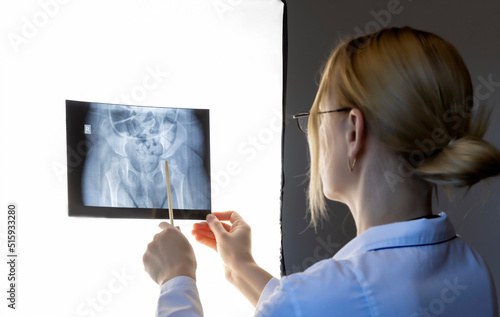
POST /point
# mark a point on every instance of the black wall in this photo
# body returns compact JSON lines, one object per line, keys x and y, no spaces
{"x":314,"y":27}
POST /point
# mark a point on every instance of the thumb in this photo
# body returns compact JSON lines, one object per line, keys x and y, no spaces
{"x":215,"y":226}
{"x":164,"y":225}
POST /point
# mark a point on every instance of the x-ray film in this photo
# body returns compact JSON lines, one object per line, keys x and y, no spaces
{"x":116,"y":161}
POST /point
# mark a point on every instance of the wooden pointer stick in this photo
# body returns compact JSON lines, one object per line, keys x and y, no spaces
{"x":169,"y":195}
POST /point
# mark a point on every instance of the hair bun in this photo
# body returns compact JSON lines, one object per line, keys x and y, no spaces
{"x":463,"y":162}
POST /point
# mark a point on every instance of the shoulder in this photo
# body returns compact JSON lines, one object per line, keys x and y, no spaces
{"x":329,"y":286}
{"x":326,"y":272}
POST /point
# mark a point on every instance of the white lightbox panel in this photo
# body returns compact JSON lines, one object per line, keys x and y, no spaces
{"x":224,"y":55}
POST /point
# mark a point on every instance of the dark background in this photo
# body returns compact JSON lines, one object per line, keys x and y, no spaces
{"x":314,"y":28}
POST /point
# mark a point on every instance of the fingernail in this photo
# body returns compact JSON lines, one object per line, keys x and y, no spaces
{"x":210,"y":217}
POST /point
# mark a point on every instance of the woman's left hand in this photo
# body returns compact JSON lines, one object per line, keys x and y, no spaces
{"x":169,"y":255}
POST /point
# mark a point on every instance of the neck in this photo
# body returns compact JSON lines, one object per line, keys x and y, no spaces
{"x":374,"y":201}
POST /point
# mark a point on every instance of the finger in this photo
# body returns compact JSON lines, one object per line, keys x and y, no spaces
{"x":231,"y":216}
{"x":204,"y":226}
{"x":164,"y":225}
{"x":201,"y":226}
{"x":206,"y":241}
{"x":216,"y":226}
{"x":204,"y":233}
{"x":224,"y":215}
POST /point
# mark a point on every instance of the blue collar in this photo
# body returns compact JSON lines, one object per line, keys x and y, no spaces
{"x":400,"y":234}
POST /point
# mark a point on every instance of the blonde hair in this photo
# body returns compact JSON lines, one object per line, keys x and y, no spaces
{"x":416,"y":96}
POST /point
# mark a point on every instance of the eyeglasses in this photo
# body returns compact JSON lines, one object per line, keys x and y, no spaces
{"x":303,"y":118}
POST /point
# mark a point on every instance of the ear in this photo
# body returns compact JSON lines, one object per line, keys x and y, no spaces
{"x":355,"y":134}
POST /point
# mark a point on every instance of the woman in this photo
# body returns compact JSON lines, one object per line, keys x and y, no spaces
{"x":390,"y":122}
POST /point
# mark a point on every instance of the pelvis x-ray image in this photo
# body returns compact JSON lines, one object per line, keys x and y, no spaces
{"x":126,"y":150}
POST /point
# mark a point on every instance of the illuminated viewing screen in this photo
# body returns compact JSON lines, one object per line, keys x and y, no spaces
{"x":116,"y":161}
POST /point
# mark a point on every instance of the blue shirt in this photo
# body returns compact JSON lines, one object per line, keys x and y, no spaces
{"x":411,"y":268}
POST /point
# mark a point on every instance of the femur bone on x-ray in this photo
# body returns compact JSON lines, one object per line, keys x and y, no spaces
{"x":125,"y":163}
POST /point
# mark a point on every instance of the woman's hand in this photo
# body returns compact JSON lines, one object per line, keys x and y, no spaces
{"x":169,"y":255}
{"x":233,"y":243}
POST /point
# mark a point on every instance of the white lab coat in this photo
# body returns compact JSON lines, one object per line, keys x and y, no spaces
{"x":411,"y":268}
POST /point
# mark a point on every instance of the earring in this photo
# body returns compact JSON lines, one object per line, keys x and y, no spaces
{"x":353,"y":164}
